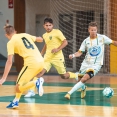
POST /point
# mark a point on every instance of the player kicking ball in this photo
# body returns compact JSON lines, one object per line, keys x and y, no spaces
{"x":23,"y":44}
{"x":94,"y":47}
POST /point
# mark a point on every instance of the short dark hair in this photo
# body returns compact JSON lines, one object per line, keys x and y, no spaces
{"x":93,"y":24}
{"x":48,"y":19}
{"x":9,"y":29}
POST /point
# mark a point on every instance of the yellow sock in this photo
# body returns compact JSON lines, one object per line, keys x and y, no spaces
{"x":72,"y":75}
{"x":35,"y":78}
{"x":28,"y":85}
{"x":18,"y":95}
{"x":33,"y":88}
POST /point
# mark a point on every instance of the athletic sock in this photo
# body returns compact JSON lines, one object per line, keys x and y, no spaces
{"x":76,"y":87}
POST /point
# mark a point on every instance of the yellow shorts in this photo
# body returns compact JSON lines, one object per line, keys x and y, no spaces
{"x":28,"y":72}
{"x":59,"y":65}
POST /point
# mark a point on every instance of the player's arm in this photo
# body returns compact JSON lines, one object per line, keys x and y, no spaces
{"x":39,"y":39}
{"x":114,"y":43}
{"x":64,"y":44}
{"x":7,"y":69}
{"x":77,"y":54}
{"x":80,"y":51}
{"x":43,"y":50}
{"x":108,"y":41}
{"x":36,"y":39}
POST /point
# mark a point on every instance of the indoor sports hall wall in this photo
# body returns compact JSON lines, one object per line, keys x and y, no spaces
{"x":33,"y":8}
{"x":6,"y":13}
{"x":72,"y":17}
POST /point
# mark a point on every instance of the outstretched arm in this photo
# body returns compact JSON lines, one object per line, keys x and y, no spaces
{"x":7,"y":69}
{"x":64,"y":43}
{"x":114,"y":43}
{"x":77,"y":54}
{"x":39,"y":39}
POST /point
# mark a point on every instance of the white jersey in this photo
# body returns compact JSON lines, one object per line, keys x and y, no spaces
{"x":94,"y":49}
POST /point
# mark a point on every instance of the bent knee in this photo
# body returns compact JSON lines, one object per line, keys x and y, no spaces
{"x":17,"y":88}
{"x":63,"y":76}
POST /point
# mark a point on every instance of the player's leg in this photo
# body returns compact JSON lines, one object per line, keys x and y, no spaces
{"x":68,"y":75}
{"x":31,"y":91}
{"x":89,"y":73}
{"x":77,"y":86}
{"x":47,"y":66}
{"x":18,"y":95}
{"x":61,"y":69}
{"x":27,"y":76}
{"x":24,"y":81}
{"x":80,"y":84}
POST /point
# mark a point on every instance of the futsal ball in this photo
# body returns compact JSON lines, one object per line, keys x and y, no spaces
{"x":108,"y":92}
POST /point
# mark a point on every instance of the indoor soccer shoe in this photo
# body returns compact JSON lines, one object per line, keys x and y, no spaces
{"x":39,"y":85}
{"x":13,"y":105}
{"x":67,"y":96}
{"x":83,"y":92}
{"x":30,"y":93}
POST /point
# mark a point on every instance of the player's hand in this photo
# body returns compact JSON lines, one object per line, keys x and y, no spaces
{"x":70,"y":56}
{"x":39,"y":39}
{"x":2,"y":81}
{"x":55,"y":50}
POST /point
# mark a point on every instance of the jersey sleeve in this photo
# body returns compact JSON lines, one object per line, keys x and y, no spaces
{"x":10,"y":48}
{"x":60,"y":35}
{"x":107,"y":40}
{"x":83,"y":46}
{"x":33,"y":38}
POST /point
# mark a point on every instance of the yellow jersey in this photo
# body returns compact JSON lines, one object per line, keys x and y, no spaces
{"x":53,"y":40}
{"x":23,"y":44}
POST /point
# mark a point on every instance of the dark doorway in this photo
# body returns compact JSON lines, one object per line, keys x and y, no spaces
{"x":19,"y":24}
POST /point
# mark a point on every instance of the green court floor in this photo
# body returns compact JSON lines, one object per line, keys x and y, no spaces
{"x":93,"y":97}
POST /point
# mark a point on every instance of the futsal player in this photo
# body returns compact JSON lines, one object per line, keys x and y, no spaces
{"x":23,"y":44}
{"x":55,"y":41}
{"x":94,"y":47}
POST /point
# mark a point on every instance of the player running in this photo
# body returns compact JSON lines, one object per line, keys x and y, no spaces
{"x":23,"y":44}
{"x":55,"y":41}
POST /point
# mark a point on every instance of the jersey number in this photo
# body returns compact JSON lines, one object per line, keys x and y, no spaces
{"x":27,"y":44}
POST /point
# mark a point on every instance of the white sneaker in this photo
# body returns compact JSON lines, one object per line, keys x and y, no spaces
{"x":39,"y":85}
{"x":30,"y":93}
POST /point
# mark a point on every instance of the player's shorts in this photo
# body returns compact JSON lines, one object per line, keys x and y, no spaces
{"x":28,"y":72}
{"x":87,"y":67}
{"x":58,"y":64}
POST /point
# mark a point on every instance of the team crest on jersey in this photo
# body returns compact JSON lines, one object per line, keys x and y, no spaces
{"x":95,"y":51}
{"x":50,"y":37}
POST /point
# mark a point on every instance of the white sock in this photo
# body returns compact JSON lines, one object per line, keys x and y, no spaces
{"x":77,"y":76}
{"x":83,"y":87}
{"x":76,"y":87}
{"x":16,"y":100}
